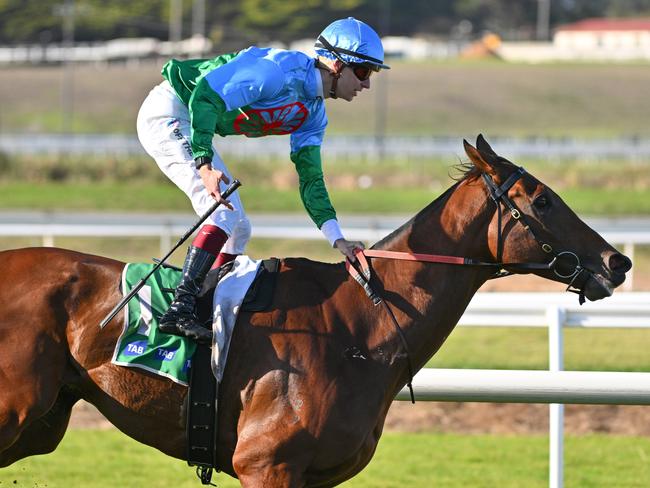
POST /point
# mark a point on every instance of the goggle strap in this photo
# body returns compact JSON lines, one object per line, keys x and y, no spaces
{"x":335,"y":81}
{"x":337,"y":51}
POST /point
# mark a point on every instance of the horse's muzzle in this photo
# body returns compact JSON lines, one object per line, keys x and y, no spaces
{"x":598,"y":287}
{"x":602,"y":285}
{"x":618,"y":264}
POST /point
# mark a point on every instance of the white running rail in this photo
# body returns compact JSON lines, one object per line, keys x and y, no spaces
{"x":555,"y":311}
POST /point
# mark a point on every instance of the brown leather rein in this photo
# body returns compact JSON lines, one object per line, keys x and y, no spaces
{"x":360,"y":269}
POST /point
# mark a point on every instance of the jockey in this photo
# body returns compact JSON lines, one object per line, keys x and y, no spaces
{"x":255,"y":92}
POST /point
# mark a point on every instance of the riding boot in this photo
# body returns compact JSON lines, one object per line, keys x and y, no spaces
{"x":181,"y":319}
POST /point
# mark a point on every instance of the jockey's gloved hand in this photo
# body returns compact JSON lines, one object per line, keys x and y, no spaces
{"x":347,"y":248}
{"x":211,"y":179}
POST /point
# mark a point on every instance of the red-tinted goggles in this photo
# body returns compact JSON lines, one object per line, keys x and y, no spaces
{"x":361,"y":71}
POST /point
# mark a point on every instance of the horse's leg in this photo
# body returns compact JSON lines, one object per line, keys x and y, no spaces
{"x":32,"y":363}
{"x":44,"y":434}
{"x":23,"y":402}
{"x":272,"y":475}
{"x":260,"y":459}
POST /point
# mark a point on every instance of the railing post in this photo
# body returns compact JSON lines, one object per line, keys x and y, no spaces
{"x":556,"y":318}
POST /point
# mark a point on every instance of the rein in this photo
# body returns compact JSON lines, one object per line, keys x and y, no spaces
{"x":360,"y":269}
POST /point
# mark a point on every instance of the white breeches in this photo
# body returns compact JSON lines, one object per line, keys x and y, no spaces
{"x":164,"y":131}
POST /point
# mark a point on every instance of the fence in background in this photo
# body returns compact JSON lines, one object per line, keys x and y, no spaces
{"x":369,"y":229}
{"x":114,"y":50}
{"x":555,"y":311}
{"x":353,"y":148}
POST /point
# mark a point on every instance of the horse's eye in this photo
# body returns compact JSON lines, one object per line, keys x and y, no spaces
{"x":541,"y":202}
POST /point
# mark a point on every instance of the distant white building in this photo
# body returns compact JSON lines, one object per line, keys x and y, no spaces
{"x":587,"y":40}
{"x":631,"y":35}
{"x":418,"y":48}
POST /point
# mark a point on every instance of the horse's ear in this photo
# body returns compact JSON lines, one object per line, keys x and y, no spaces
{"x":477,"y":158}
{"x":485,"y":159}
{"x":483,"y":146}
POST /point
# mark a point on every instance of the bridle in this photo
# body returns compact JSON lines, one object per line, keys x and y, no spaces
{"x":360,"y":269}
{"x":565,"y":265}
{"x":578,"y":275}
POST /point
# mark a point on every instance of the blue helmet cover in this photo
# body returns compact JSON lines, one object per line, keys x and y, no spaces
{"x":356,"y":36}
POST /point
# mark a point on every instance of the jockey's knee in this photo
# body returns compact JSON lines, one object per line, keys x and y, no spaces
{"x":243,"y":229}
{"x":239,"y":238}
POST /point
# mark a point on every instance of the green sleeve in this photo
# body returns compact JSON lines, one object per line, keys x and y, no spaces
{"x":205,"y":108}
{"x":312,"y":186}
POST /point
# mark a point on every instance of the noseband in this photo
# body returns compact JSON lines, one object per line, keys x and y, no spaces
{"x":559,"y":260}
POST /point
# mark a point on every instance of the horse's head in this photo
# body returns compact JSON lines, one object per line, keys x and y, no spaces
{"x":535,"y":229}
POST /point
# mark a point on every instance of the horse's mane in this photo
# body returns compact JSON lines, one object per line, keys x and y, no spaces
{"x":467,"y":172}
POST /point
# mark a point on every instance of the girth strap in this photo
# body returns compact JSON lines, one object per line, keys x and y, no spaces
{"x":202,"y":416}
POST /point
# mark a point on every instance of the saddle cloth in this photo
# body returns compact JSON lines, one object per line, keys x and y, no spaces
{"x":142,"y":345}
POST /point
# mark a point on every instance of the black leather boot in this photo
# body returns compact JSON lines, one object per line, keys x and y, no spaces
{"x":181,"y":319}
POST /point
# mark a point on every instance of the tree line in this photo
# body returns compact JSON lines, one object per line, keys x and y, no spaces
{"x":259,"y":21}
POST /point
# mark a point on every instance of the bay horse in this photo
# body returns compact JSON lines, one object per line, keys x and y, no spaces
{"x":310,"y":381}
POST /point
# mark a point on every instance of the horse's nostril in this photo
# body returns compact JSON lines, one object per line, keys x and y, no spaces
{"x":618,"y":263}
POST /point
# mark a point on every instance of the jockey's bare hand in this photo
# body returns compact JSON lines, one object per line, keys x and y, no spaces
{"x":211,"y":179}
{"x":347,"y":248}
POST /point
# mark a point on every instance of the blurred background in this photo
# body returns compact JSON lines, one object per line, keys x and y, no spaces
{"x":558,"y":86}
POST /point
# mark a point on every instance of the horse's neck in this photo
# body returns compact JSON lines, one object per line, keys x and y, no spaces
{"x":428,"y":299}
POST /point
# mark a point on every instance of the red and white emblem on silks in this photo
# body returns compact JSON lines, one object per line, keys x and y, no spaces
{"x":271,"y":121}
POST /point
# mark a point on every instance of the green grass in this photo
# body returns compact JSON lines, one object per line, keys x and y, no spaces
{"x":146,"y":196}
{"x":527,"y":348}
{"x":607,"y":202}
{"x":157,"y":197}
{"x":102,"y":459}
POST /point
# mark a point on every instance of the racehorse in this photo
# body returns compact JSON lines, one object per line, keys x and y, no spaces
{"x":309,"y":382}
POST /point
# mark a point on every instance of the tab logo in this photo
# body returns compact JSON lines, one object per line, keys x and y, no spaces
{"x":187,"y":365}
{"x":165,"y":354}
{"x":135,"y":348}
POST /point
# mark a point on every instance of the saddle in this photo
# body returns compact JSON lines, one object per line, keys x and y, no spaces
{"x":257,"y":299}
{"x":203,"y":388}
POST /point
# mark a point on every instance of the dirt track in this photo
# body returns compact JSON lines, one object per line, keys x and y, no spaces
{"x":508,"y":418}
{"x":474,"y":418}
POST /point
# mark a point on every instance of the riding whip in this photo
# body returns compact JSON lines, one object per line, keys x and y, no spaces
{"x":233,"y":186}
